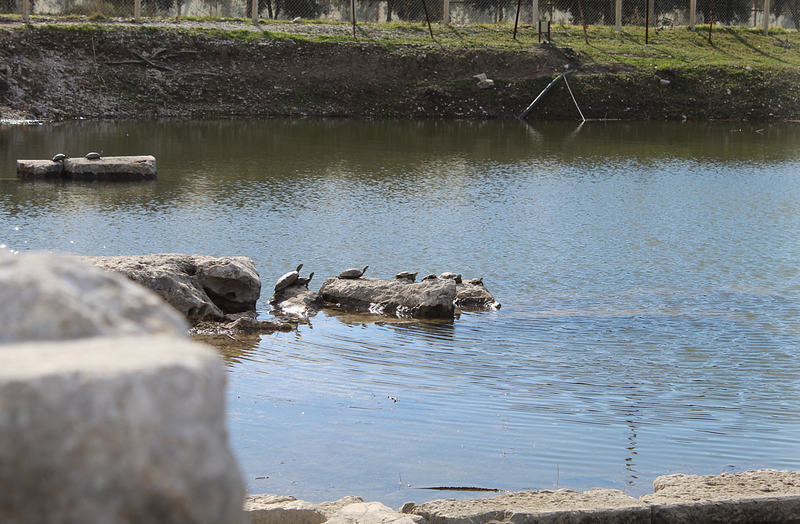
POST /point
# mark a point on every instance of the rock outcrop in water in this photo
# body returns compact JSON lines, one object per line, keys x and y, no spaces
{"x":202,"y":288}
{"x":427,"y":299}
{"x":108,"y":413}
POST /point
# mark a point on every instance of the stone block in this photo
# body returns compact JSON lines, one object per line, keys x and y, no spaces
{"x":39,"y":169}
{"x":111,"y":168}
{"x":276,"y":509}
{"x":51,"y":297}
{"x":595,"y":506}
{"x":115,"y":430}
{"x":749,"y":497}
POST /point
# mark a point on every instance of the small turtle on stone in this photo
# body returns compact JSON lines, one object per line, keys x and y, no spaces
{"x":60,"y":157}
{"x":406,"y":275}
{"x":93,"y":156}
{"x":429,"y":277}
{"x":288,"y":279}
{"x":447,"y":275}
{"x":303,"y":281}
{"x":475,"y":281}
{"x":353,"y":272}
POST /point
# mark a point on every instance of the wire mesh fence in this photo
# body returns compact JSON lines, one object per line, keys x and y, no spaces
{"x":784,"y":13}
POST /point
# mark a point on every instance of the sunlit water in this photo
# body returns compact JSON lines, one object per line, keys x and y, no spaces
{"x":648,"y":275}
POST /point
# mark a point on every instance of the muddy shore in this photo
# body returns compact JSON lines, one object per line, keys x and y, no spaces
{"x":63,"y":70}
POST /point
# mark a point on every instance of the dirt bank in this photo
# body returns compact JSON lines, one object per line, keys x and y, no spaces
{"x":161,"y":70}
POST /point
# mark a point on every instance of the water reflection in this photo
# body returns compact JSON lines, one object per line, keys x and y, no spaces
{"x":648,"y":276}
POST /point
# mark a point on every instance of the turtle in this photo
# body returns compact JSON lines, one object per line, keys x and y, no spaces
{"x":288,"y":279}
{"x":60,"y":157}
{"x":303,"y":281}
{"x":475,"y":281}
{"x":406,"y":275}
{"x":353,"y":272}
{"x":93,"y":155}
{"x":429,"y":277}
{"x":447,"y":275}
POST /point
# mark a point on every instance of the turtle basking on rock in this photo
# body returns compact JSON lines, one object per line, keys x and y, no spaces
{"x":303,"y":281}
{"x":93,"y":156}
{"x":353,"y":272}
{"x":406,"y":275}
{"x":288,"y":279}
{"x":60,"y":157}
{"x":429,"y":277}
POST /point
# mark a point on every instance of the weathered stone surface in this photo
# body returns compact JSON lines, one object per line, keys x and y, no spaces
{"x":111,"y":168}
{"x":426,"y":299}
{"x":541,"y":507}
{"x":51,"y":297}
{"x":39,"y":169}
{"x":473,"y":294}
{"x":297,"y":300}
{"x":760,"y":496}
{"x":115,"y":430}
{"x":276,"y":509}
{"x":200,"y":287}
{"x":372,"y":513}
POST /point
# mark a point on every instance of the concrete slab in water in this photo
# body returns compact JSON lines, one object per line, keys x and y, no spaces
{"x":106,"y":168}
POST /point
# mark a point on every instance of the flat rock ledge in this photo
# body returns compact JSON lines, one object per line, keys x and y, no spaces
{"x":765,"y":496}
{"x":427,"y":299}
{"x":202,"y":288}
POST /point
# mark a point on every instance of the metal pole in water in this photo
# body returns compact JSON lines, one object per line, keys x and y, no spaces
{"x":544,"y":92}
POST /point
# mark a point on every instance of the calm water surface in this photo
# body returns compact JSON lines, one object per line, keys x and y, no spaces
{"x":648,"y":275}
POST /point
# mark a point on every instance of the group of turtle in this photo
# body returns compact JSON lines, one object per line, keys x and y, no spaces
{"x":60,"y":157}
{"x":293,"y":278}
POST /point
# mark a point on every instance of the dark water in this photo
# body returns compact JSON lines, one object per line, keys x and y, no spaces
{"x":648,"y":275}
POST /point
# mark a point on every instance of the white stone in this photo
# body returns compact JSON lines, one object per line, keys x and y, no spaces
{"x":275,"y":509}
{"x":50,"y":297}
{"x":115,"y":430}
{"x":372,"y":513}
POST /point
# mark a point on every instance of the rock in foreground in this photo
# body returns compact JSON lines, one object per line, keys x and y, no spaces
{"x":426,"y":299}
{"x":200,"y":287}
{"x":50,"y":297}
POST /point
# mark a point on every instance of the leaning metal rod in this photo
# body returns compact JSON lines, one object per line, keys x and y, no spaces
{"x":425,"y":6}
{"x":544,"y":92}
{"x":516,"y":20}
{"x":573,"y":99}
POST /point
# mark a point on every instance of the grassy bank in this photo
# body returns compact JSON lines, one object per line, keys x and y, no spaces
{"x":228,"y":68}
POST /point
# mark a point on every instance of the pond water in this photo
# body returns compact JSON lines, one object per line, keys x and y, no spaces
{"x":648,"y":274}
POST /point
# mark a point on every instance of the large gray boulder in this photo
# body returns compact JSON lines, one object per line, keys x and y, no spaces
{"x":50,"y":297}
{"x":200,"y":287}
{"x":402,"y":298}
{"x":115,"y":430}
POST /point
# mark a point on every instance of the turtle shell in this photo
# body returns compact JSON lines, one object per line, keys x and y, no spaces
{"x":93,"y":155}
{"x":353,"y":272}
{"x":59,"y":157}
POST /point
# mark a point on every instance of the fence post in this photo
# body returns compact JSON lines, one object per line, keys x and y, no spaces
{"x":618,"y":12}
{"x":692,"y":14}
{"x":534,"y":12}
{"x":255,"y":12}
{"x":137,"y":10}
{"x":766,"y":17}
{"x":26,"y":8}
{"x":447,"y":12}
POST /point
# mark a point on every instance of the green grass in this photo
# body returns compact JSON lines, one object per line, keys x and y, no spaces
{"x":676,"y":47}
